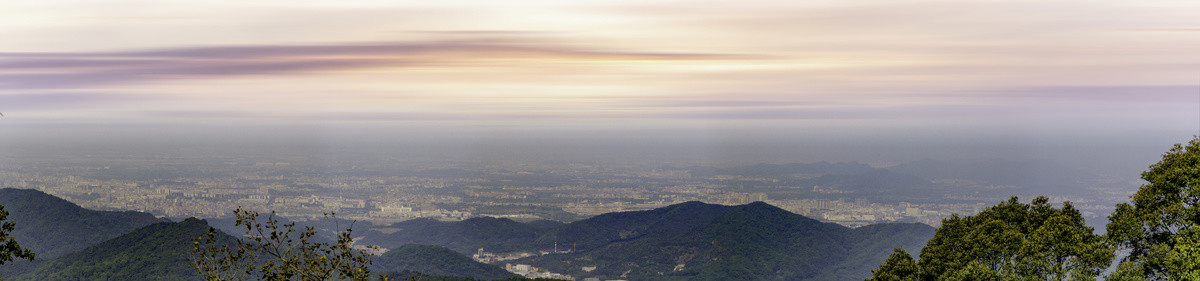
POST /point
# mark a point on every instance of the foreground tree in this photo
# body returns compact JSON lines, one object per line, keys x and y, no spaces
{"x":1159,"y":226}
{"x":1127,"y":271}
{"x":899,"y":267}
{"x":1009,"y":241}
{"x":1184,"y":259}
{"x":9,"y":249}
{"x":274,"y":251}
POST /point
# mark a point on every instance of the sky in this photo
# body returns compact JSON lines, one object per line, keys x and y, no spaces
{"x":875,"y":81}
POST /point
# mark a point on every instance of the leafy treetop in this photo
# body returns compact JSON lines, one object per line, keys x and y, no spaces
{"x":1159,"y":225}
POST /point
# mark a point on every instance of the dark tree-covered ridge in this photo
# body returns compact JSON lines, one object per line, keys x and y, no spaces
{"x":437,"y":261}
{"x":52,"y":227}
{"x":154,"y":252}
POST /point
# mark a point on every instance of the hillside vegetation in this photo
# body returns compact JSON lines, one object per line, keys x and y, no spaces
{"x":52,"y":227}
{"x":155,"y":252}
{"x":438,"y":261}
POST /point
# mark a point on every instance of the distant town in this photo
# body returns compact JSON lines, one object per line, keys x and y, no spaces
{"x":210,"y":187}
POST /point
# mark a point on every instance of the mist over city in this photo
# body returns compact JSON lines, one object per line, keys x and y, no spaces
{"x":598,"y":140}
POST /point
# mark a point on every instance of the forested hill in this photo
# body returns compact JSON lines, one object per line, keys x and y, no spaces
{"x":438,"y":261}
{"x":155,"y":252}
{"x":686,"y":241}
{"x":693,"y":241}
{"x":698,"y":241}
{"x":52,"y":227}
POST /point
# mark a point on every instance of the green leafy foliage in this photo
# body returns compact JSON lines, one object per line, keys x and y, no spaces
{"x":154,"y":252}
{"x":438,"y":261}
{"x":1183,"y":258}
{"x":1127,"y":271}
{"x":900,"y":266}
{"x":1034,"y":241}
{"x":9,"y":249}
{"x":977,"y":271}
{"x":278,"y":252}
{"x":1166,"y":207}
{"x":52,"y":227}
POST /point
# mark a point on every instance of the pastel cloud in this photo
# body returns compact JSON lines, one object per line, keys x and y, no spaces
{"x":605,"y":63}
{"x":71,"y":70}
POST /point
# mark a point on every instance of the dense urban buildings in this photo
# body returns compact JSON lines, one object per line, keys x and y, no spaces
{"x":210,"y":187}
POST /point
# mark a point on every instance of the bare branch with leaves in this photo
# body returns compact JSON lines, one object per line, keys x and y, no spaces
{"x":272,"y":250}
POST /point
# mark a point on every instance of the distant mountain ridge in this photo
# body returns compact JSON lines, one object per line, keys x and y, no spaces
{"x":820,"y":177}
{"x":790,"y":169}
{"x":874,"y":181}
{"x":1043,"y":176}
{"x":157,"y":249}
{"x":155,"y":252}
{"x":437,"y":261}
{"x":698,"y":241}
{"x":686,"y":241}
{"x":52,"y":227}
{"x":909,"y":181}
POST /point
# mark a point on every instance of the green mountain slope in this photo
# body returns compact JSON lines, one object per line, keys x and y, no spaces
{"x":155,"y":252}
{"x":870,"y":246}
{"x":697,"y":241}
{"x":52,"y":227}
{"x":435,"y":260}
{"x":686,"y":241}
